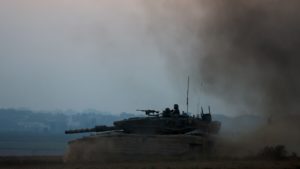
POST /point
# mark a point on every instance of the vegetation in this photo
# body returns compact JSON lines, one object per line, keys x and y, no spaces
{"x":277,"y":152}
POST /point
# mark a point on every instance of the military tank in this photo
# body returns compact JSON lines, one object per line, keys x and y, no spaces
{"x":165,"y":135}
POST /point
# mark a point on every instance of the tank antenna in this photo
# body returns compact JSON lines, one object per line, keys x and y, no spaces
{"x":209,"y":109}
{"x":187,"y":95}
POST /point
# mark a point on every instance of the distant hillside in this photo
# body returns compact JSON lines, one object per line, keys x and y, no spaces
{"x":26,"y":132}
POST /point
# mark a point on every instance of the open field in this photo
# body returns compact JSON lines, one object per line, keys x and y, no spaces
{"x":56,"y":162}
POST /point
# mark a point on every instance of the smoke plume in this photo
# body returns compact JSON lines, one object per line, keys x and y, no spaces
{"x":246,"y":53}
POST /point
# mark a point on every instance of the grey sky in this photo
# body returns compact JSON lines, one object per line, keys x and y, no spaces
{"x":73,"y":54}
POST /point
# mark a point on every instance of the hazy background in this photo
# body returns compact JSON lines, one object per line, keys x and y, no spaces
{"x":105,"y":54}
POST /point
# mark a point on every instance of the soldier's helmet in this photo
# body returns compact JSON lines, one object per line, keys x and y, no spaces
{"x":176,"y":107}
{"x":167,"y":112}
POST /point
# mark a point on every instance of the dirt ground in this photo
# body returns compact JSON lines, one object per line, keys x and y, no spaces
{"x":56,"y":162}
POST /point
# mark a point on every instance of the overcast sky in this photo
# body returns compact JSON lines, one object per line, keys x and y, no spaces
{"x":74,"y":54}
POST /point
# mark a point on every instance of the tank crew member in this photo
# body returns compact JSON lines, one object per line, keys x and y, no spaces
{"x":175,"y":111}
{"x":167,"y":112}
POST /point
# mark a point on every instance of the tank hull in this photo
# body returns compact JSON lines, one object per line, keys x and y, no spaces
{"x":120,"y":147}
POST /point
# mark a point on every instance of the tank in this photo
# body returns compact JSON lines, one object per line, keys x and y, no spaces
{"x":167,"y":122}
{"x":159,"y":135}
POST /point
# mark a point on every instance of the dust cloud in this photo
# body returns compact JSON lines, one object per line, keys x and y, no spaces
{"x":251,"y":58}
{"x":245,"y":53}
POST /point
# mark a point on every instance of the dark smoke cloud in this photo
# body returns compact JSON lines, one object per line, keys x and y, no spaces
{"x":245,"y":53}
{"x":250,"y":57}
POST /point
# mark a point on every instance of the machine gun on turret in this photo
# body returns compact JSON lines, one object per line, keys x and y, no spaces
{"x":149,"y":112}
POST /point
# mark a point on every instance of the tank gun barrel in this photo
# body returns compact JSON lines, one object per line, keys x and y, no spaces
{"x":95,"y":129}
